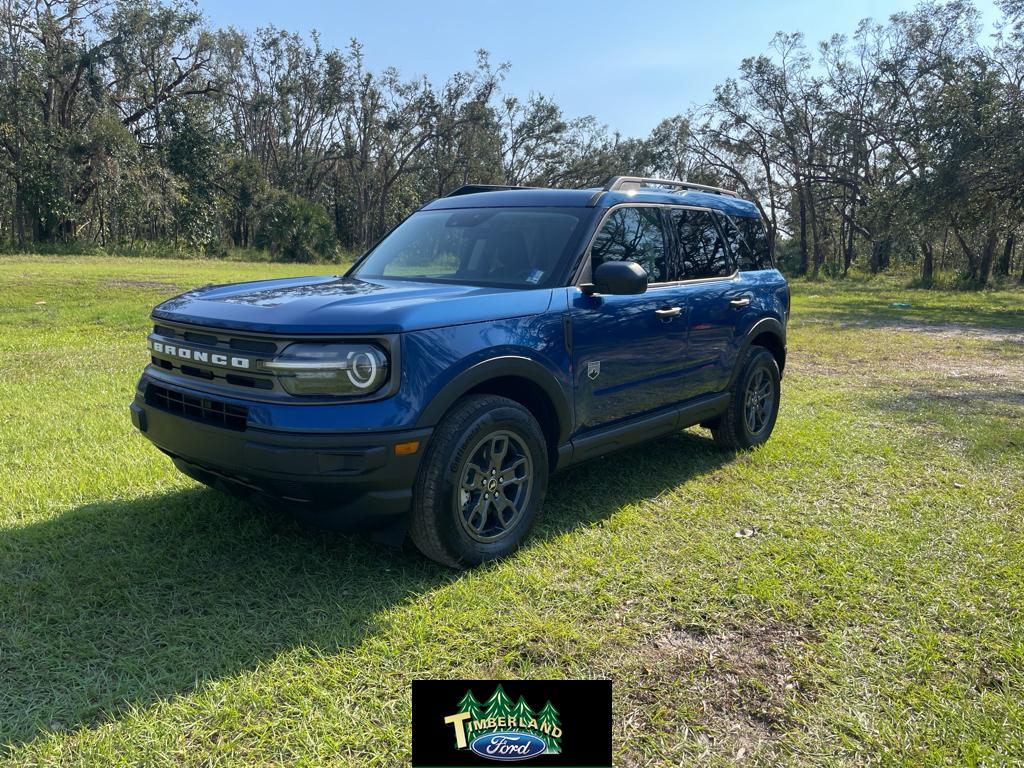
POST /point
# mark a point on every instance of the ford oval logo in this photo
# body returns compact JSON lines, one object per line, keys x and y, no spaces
{"x":508,"y":745}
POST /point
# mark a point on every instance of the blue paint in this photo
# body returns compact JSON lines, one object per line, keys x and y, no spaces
{"x":595,"y":360}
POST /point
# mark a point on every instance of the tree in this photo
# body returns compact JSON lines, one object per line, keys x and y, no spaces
{"x":499,"y":705}
{"x":295,"y":229}
{"x":531,"y":136}
{"x":75,"y":71}
{"x":522,"y":711}
{"x":548,"y":718}
{"x":470,"y":704}
{"x":899,"y":146}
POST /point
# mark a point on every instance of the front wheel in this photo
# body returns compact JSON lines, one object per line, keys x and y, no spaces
{"x":482,"y":482}
{"x":753,"y":405}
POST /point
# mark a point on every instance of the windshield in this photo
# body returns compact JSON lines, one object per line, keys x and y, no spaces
{"x":502,"y":247}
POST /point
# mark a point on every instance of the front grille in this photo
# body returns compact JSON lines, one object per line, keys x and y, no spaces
{"x":226,"y":343}
{"x":219,"y":338}
{"x":197,"y":408}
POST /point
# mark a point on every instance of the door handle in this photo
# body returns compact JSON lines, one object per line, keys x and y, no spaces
{"x":669,"y":312}
{"x":740,"y":301}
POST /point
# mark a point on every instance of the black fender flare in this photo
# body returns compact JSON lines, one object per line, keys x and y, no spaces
{"x":768,"y":325}
{"x":501,"y":367}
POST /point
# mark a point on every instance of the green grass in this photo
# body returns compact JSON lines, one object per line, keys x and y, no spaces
{"x":874,"y":618}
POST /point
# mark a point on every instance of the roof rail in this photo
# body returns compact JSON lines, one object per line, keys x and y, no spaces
{"x":616,"y":183}
{"x":472,"y":189}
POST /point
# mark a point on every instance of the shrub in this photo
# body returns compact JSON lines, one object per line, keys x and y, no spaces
{"x":294,"y":229}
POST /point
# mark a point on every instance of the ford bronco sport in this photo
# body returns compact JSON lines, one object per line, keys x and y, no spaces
{"x":495,"y":336}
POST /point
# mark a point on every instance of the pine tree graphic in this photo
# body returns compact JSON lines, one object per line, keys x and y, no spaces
{"x":499,"y":705}
{"x":549,"y":717}
{"x":523,"y":713}
{"x":471,"y":705}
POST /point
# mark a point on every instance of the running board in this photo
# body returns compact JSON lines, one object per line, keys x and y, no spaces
{"x":622,"y":435}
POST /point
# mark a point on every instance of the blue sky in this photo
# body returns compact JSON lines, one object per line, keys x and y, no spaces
{"x":628,"y":63}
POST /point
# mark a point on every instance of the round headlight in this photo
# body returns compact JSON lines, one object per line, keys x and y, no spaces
{"x":363,"y":367}
{"x":330,"y":369}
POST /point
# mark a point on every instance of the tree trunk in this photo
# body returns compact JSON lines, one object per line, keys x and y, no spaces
{"x":802,"y":269}
{"x":972,"y":261}
{"x":848,"y":248}
{"x":19,"y":214}
{"x":848,"y":252}
{"x":987,"y":255}
{"x":1007,"y":257}
{"x":879,"y":255}
{"x":102,"y":232}
{"x":812,"y":210}
{"x":928,"y":264}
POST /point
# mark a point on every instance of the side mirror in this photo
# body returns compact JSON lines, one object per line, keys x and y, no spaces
{"x":618,"y":278}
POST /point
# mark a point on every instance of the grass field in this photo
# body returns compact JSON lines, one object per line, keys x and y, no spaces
{"x":875,"y":617}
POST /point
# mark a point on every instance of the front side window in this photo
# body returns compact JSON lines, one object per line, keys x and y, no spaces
{"x":632,"y":233}
{"x":500,"y":247}
{"x":702,"y":253}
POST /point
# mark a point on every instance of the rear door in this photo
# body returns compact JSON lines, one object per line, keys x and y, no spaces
{"x":714,"y":295}
{"x":628,"y":351}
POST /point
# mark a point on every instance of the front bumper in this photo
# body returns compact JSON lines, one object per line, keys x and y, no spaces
{"x":339,"y":480}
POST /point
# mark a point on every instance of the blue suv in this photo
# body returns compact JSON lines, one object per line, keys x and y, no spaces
{"x":495,"y":336}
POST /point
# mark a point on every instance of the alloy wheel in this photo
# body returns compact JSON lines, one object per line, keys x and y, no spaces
{"x":758,"y":401}
{"x":495,"y":486}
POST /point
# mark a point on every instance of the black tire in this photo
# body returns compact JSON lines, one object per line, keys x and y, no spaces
{"x":472,"y":500}
{"x":735,"y":428}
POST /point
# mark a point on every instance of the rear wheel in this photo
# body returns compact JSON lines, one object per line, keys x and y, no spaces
{"x":482,"y":482}
{"x":753,"y":405}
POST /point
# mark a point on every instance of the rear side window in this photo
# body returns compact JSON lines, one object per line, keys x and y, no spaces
{"x":759,"y":254}
{"x":702,"y":253}
{"x":735,"y":241}
{"x":632,"y":234}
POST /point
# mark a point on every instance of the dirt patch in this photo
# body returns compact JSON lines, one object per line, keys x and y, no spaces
{"x":941,"y":330}
{"x":947,"y":356}
{"x":958,"y":330}
{"x":733,"y":689}
{"x":145,"y":284}
{"x":938,"y":368}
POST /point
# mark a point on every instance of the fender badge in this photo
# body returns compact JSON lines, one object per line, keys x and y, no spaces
{"x":593,"y":369}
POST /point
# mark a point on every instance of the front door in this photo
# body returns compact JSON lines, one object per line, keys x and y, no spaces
{"x":628,"y":351}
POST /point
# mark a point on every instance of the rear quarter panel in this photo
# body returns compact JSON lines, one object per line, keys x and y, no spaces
{"x":769,"y":294}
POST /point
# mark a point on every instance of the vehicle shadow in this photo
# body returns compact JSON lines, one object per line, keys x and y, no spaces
{"x":117,"y":604}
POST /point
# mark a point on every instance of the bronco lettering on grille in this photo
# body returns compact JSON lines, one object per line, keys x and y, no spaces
{"x":200,"y":356}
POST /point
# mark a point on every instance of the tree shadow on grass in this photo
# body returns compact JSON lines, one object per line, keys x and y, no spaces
{"x":985,"y":422}
{"x":882,"y":315}
{"x":120,"y":603}
{"x":866,"y":306}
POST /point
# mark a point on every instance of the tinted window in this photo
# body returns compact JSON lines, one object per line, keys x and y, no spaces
{"x":507,"y":247}
{"x":701,"y":250}
{"x":757,"y":242}
{"x":735,"y":241}
{"x":632,"y":234}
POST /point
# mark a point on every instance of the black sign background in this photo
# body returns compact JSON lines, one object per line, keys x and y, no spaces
{"x":584,"y":709}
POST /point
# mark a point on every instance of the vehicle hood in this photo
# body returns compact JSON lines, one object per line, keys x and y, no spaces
{"x":343,"y":305}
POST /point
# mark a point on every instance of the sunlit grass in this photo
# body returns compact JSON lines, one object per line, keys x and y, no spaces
{"x":874,"y":617}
